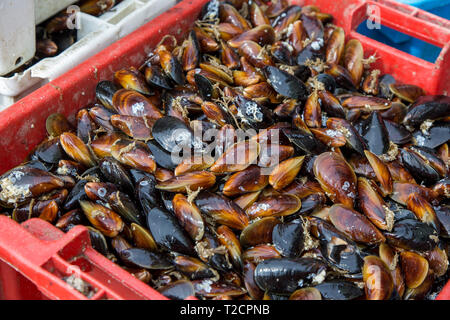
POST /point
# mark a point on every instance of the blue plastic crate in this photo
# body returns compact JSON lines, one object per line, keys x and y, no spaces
{"x":403,"y":41}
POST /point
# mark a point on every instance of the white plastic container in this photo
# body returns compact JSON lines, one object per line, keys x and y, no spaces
{"x":95,"y":34}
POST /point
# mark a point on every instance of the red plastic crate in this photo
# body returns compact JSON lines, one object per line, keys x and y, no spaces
{"x":35,"y":256}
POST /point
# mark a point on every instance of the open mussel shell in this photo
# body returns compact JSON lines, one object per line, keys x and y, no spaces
{"x":339,"y":290}
{"x":338,"y":250}
{"x":167,"y":232}
{"x":285,"y":275}
{"x":141,"y":258}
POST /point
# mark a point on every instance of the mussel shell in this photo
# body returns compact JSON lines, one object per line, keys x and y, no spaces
{"x":156,"y":77}
{"x":286,"y":84}
{"x":397,"y":133}
{"x":304,"y":141}
{"x":427,"y":108}
{"x":49,"y":151}
{"x":338,"y":250}
{"x":114,"y":172}
{"x":104,"y":92}
{"x":178,"y":290}
{"x":285,"y":275}
{"x":376,"y":134}
{"x":339,"y":290}
{"x":253,"y":114}
{"x":411,"y":234}
{"x":168,"y":233}
{"x":147,"y":194}
{"x":437,"y":135}
{"x":172,"y":133}
{"x":141,"y":258}
{"x":289,"y":238}
{"x":163,"y":158}
{"x":421,"y":171}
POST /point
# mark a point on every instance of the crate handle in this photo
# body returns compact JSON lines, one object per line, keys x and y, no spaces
{"x":31,"y":247}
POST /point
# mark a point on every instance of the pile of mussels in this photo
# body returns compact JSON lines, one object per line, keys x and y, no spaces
{"x":354,"y":206}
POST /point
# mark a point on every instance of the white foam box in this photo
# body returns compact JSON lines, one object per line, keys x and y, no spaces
{"x":95,"y":34}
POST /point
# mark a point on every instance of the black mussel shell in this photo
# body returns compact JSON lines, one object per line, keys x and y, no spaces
{"x":376,"y":134}
{"x":443,"y":215}
{"x":282,"y":54}
{"x":205,"y":87}
{"x":313,"y":26}
{"x":311,"y":52}
{"x":162,"y":157}
{"x":252,"y":114}
{"x":304,"y":141}
{"x":49,"y":151}
{"x":167,"y":198}
{"x":328,"y":81}
{"x":104,"y":93}
{"x":98,"y":241}
{"x":178,"y":290}
{"x":141,"y":258}
{"x":286,"y":84}
{"x":427,"y":108}
{"x":288,"y":238}
{"x":137,"y":175}
{"x":172,"y":133}
{"x":168,"y":233}
{"x":411,"y":234}
{"x":285,"y":275}
{"x":338,"y":250}
{"x":385,"y":81}
{"x":339,"y":290}
{"x":302,"y":72}
{"x":114,"y":172}
{"x":156,"y":77}
{"x":147,"y":194}
{"x":397,"y":133}
{"x":438,"y":134}
{"x":419,"y":169}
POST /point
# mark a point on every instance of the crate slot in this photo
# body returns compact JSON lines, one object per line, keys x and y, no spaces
{"x":402,"y":41}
